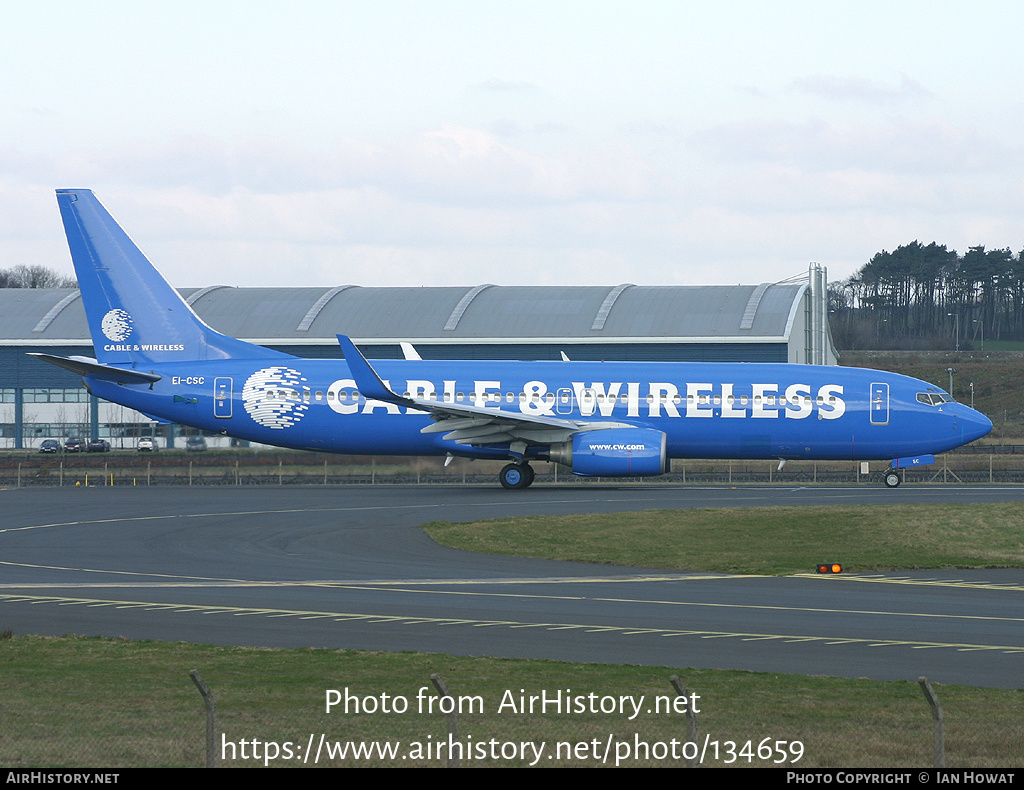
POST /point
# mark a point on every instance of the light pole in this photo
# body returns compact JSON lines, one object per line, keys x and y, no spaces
{"x":956,"y":317}
{"x":981,"y":324}
{"x":950,"y":371}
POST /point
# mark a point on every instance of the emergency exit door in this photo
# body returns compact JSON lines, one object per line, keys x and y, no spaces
{"x":879,"y":404}
{"x":222,"y":392}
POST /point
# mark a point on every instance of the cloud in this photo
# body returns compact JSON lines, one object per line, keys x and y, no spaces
{"x":450,"y":165}
{"x":899,"y":145}
{"x":860,"y":89}
{"x":505,"y":86}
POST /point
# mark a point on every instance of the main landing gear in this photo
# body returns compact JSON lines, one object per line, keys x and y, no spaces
{"x":516,"y":475}
{"x":891,"y":478}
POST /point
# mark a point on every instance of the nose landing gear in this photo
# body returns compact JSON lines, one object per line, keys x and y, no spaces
{"x":516,"y":476}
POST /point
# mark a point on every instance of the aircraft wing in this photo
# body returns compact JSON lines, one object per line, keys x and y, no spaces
{"x":464,"y":423}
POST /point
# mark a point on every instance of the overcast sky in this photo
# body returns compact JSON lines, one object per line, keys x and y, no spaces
{"x":440,"y":142}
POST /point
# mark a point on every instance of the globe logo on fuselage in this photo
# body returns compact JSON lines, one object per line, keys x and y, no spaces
{"x":276,"y":397}
{"x":116,"y":325}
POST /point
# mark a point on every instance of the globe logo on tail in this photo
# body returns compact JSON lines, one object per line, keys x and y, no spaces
{"x":116,"y":325}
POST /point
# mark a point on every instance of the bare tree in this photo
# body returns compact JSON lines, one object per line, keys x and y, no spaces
{"x":22,"y":276}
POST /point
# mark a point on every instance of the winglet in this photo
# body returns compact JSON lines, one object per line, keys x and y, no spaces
{"x":367,"y":381}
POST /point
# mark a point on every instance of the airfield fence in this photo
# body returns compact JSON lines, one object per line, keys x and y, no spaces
{"x":1002,"y":464}
{"x":270,"y":719}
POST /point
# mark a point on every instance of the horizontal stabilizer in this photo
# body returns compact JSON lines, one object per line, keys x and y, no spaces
{"x":157,"y":420}
{"x":84,"y":366}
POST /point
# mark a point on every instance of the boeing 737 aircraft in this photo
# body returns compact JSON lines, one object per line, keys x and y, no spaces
{"x":155,"y":355}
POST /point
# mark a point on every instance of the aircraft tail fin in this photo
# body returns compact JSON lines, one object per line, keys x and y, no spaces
{"x":135,"y":316}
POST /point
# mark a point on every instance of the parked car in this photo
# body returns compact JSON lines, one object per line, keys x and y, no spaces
{"x":195,"y":444}
{"x":98,"y":446}
{"x":49,"y":446}
{"x":74,"y":446}
{"x":147,"y":444}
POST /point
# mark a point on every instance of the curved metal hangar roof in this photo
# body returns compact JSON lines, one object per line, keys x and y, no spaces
{"x":476,"y":316}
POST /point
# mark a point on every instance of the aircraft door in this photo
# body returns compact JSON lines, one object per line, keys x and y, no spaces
{"x":563,"y":401}
{"x":879,"y":404}
{"x":222,"y":397}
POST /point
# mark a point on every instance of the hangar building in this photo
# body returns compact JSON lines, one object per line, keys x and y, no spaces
{"x":770,"y":322}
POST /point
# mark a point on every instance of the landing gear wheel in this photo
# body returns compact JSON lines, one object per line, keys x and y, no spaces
{"x":516,"y":476}
{"x":892,"y":478}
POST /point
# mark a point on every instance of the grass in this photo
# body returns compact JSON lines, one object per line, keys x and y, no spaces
{"x":768,"y":540}
{"x":88,"y":702}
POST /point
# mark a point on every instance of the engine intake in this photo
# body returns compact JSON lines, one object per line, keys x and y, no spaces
{"x":615,"y":452}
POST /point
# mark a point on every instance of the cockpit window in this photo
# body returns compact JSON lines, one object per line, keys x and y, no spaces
{"x":934,"y":398}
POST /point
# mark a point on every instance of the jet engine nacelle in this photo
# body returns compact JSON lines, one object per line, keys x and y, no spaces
{"x":614,"y":452}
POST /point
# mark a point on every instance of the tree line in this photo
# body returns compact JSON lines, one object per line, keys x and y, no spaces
{"x":35,"y":277}
{"x":927,"y":296}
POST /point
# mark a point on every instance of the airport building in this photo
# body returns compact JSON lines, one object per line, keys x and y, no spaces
{"x":771,"y":322}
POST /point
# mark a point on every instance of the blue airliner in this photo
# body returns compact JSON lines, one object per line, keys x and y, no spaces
{"x":155,"y":355}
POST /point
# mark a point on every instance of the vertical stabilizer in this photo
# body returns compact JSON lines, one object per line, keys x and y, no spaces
{"x":134,"y":315}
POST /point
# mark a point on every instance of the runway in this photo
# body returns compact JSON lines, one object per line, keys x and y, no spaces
{"x":348,"y":567}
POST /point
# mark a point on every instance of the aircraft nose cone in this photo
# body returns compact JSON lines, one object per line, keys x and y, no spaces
{"x":975,"y":425}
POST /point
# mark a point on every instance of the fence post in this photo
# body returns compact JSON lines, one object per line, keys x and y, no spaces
{"x":211,"y":717}
{"x":939,"y":743}
{"x":452,"y":717}
{"x":691,"y":717}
